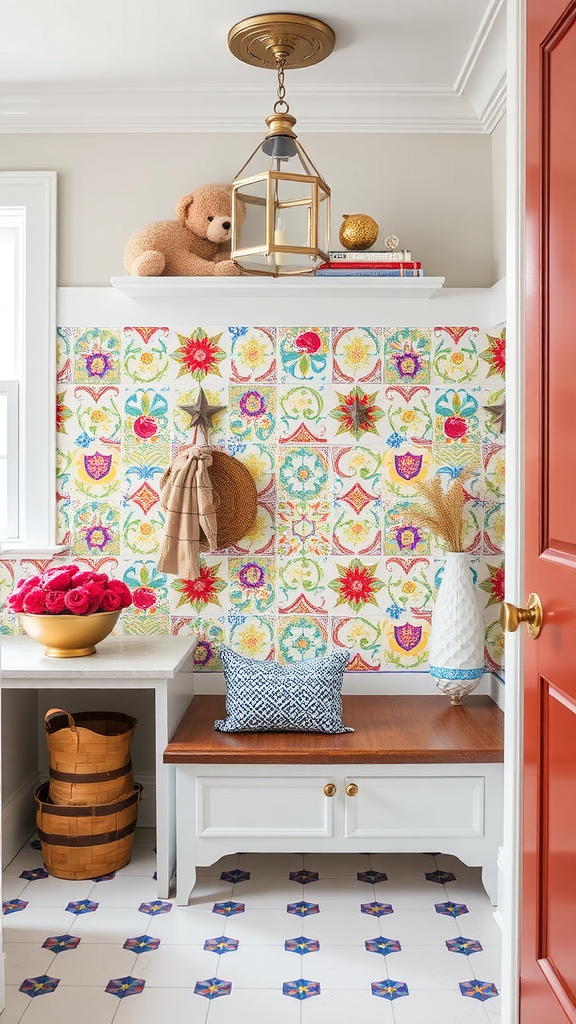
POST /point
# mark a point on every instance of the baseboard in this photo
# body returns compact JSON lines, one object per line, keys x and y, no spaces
{"x":18,"y":817}
{"x":370,"y":683}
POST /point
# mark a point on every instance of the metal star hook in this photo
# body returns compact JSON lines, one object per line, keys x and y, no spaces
{"x":498,"y":414}
{"x":201,"y":412}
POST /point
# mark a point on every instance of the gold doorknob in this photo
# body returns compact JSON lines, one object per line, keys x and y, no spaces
{"x":532,"y":615}
{"x":351,"y":789}
{"x":329,"y":789}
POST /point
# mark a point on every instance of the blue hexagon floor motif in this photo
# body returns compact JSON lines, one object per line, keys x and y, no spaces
{"x":389,"y":989}
{"x":59,"y":943}
{"x":303,"y":909}
{"x":221,"y":944}
{"x":212,"y":988}
{"x":302,"y":945}
{"x":376,"y":909}
{"x":301,"y":989}
{"x":170,"y":956}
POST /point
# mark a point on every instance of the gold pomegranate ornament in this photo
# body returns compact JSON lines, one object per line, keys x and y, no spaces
{"x":358,"y":231}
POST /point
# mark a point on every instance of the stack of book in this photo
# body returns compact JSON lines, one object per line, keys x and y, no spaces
{"x":370,"y":263}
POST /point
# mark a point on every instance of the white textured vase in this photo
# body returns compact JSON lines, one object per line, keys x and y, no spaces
{"x":457,"y":636}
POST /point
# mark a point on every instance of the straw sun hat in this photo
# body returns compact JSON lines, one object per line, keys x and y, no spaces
{"x":235,"y":498}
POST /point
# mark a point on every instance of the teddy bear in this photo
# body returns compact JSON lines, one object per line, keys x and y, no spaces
{"x":192,"y":245}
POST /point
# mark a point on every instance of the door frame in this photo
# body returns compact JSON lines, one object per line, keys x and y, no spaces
{"x":509,"y":909}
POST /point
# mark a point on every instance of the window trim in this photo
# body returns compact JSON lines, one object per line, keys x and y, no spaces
{"x":36,"y":190}
{"x":11,"y":388}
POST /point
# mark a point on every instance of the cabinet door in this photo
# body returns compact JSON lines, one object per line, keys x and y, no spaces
{"x":244,"y":807}
{"x":423,"y":806}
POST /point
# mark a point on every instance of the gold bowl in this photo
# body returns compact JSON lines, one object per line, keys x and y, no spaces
{"x":69,"y":636}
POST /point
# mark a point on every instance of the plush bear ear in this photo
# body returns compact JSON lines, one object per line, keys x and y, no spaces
{"x":182,"y":207}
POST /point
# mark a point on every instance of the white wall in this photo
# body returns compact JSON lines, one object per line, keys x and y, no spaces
{"x":499,"y":199}
{"x":433,"y":191}
{"x":19,"y":768}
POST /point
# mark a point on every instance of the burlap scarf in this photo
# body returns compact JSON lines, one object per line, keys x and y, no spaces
{"x":186,"y":493}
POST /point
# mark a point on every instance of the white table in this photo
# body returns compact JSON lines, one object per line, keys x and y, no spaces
{"x":160,"y":663}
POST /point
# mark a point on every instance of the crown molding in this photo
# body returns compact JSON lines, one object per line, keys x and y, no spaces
{"x":472,"y":104}
{"x":478,"y":47}
{"x":496,"y":106}
{"x":334,"y":108}
{"x":482,"y":77}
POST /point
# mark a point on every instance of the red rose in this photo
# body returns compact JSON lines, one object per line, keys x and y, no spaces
{"x":111,"y":601}
{"x":308,"y":342}
{"x":120,"y":588}
{"x":455,"y":427}
{"x":35,"y":601}
{"x":82,"y":578}
{"x":58,"y":568}
{"x":59,"y":578}
{"x":15,"y":601}
{"x":95,"y":594}
{"x":55,"y":601}
{"x":145,"y":426}
{"x":144,"y":598}
{"x":26,"y":584}
{"x":77,"y":601}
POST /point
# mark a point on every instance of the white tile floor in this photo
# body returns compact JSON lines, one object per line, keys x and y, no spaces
{"x":255,"y":944}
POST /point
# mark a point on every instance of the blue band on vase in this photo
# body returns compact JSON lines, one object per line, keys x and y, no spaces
{"x":456,"y":673}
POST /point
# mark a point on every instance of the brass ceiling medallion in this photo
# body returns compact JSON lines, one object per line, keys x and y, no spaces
{"x":280,"y":202}
{"x":305,"y":41}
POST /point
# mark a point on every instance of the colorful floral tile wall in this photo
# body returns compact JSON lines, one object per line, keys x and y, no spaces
{"x":335,"y":558}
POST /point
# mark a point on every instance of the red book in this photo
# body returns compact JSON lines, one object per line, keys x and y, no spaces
{"x":373,"y":265}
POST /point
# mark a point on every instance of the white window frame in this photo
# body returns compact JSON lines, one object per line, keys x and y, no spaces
{"x":36,"y":529}
{"x":10,"y":388}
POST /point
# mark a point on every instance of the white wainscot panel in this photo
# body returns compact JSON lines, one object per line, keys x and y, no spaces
{"x":251,"y":807}
{"x":408,"y":806}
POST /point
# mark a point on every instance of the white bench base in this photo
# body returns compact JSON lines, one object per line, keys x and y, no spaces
{"x":282,"y":808}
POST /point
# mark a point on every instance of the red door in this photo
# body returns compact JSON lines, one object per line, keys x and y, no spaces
{"x":548,"y":954}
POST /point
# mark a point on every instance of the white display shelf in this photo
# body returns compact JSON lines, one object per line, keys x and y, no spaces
{"x":269,"y":287}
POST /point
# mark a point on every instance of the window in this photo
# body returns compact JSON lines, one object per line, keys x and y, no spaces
{"x":12,"y":227}
{"x":27,"y":360}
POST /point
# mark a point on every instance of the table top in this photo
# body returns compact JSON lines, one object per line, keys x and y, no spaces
{"x":391,"y":729}
{"x":117,"y":657}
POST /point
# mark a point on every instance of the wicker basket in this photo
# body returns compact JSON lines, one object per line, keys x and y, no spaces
{"x":85,"y":842}
{"x":89,"y":756}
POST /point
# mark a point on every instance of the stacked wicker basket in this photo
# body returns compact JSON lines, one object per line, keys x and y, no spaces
{"x":87,"y":812}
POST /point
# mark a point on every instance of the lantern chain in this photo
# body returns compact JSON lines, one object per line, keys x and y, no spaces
{"x":281,"y":102}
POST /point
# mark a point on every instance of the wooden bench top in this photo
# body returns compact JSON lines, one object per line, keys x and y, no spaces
{"x":393,"y":729}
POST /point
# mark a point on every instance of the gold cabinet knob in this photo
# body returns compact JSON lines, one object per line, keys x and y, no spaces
{"x":351,"y":789}
{"x":532,"y":615}
{"x":329,"y":789}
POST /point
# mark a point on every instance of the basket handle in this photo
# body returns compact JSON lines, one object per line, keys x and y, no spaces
{"x":52,"y":712}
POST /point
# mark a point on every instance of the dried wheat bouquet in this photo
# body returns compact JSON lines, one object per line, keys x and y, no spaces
{"x":444,"y":514}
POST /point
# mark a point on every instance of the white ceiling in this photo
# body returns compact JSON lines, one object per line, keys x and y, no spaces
{"x":164,"y":65}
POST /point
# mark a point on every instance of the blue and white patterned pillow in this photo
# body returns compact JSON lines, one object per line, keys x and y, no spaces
{"x":263,"y":696}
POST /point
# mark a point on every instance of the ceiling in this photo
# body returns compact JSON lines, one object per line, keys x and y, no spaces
{"x":164,"y":65}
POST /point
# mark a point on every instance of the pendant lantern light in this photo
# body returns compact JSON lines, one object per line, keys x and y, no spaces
{"x":280,"y":202}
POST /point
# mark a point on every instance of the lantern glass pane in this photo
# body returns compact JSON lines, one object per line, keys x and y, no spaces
{"x":285,"y":206}
{"x":253,"y":229}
